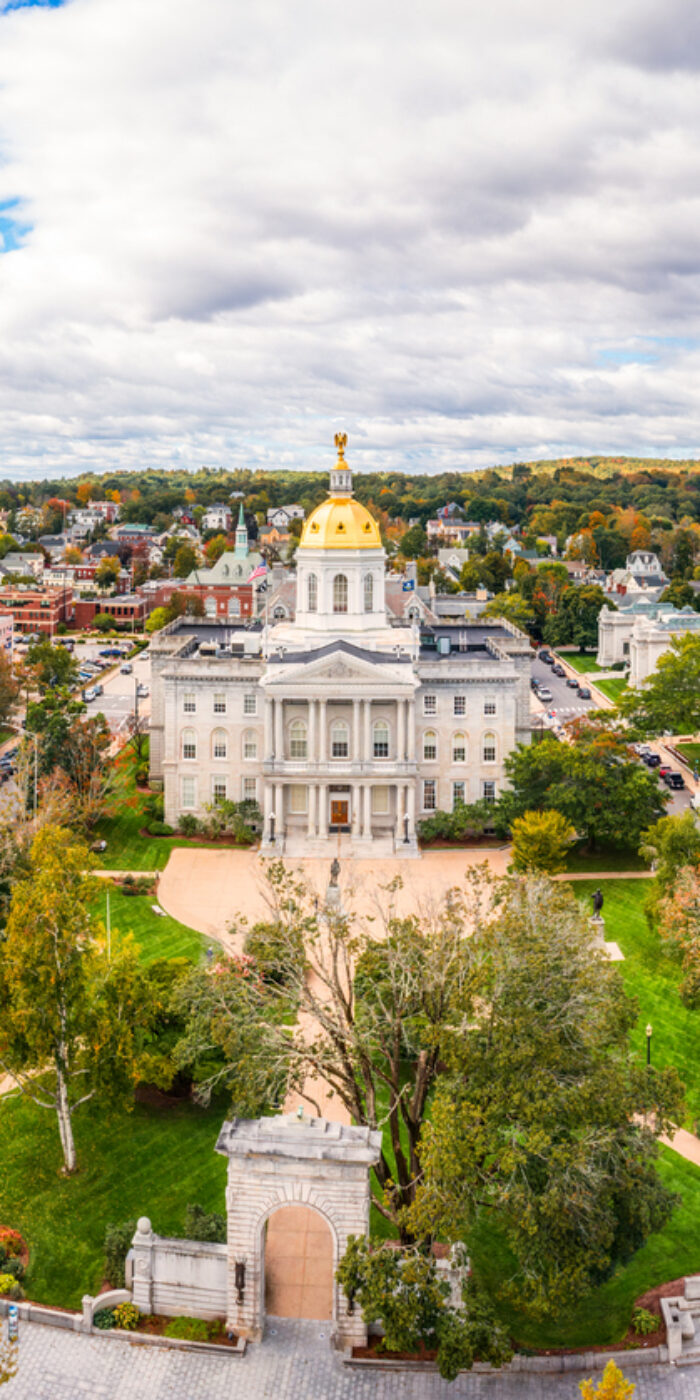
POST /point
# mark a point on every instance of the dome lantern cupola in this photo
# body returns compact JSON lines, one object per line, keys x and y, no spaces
{"x":341,"y":476}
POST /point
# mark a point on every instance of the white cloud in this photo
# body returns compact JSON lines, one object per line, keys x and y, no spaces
{"x":436,"y":225}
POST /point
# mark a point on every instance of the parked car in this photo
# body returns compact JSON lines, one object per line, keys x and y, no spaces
{"x":652,"y":760}
{"x":98,"y":689}
{"x":584,"y":692}
{"x":545,"y":693}
{"x":142,"y":691}
{"x":572,"y":682}
{"x":126,"y":669}
{"x":534,"y":683}
{"x":558,"y":670}
{"x":89,"y":694}
{"x":545,"y":656}
{"x":674,"y":780}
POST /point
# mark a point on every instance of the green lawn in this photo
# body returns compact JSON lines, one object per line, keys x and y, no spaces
{"x":583,"y":664}
{"x":157,"y":936}
{"x":579,"y":861}
{"x":612,"y":688}
{"x":690,"y":752}
{"x":652,"y":977}
{"x":148,"y":1162}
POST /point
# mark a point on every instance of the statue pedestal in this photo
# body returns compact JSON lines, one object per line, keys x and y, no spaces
{"x":333,"y":902}
{"x":609,"y":950}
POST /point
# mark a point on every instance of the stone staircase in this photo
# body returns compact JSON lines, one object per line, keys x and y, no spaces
{"x":682,"y":1318}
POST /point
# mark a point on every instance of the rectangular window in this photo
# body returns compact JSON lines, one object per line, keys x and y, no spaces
{"x":489,"y":791}
{"x":219,"y":703}
{"x":457,"y":794}
{"x":459,"y":750}
{"x":430,"y":748}
{"x":219,"y":746}
{"x":489,"y":707}
{"x":489,"y":750}
{"x":429,"y":795}
{"x":298,"y":800}
{"x":188,"y":792}
{"x":218,"y":789}
{"x":339,"y":745}
{"x":430,"y":704}
{"x":189,"y":747}
{"x":460,"y":705}
{"x":249,"y":790}
{"x":380,"y":801}
{"x":250,"y":746}
{"x":250,"y":703}
{"x":189,"y":704}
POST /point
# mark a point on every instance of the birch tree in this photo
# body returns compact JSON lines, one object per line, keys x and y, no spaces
{"x":70,"y":1015}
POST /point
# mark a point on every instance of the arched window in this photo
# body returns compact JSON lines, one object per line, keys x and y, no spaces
{"x":234,"y":607}
{"x":459,"y":748}
{"x":312,"y":593}
{"x":297,"y":737}
{"x":340,"y":594}
{"x":430,"y":746}
{"x":189,"y":743}
{"x":413,"y":614}
{"x":340,"y":739}
{"x":488,"y":748}
{"x":369,"y":593}
{"x":219,"y":746}
{"x":250,"y":744}
{"x":380,"y":746}
{"x":279,"y":613}
{"x":210,"y":607}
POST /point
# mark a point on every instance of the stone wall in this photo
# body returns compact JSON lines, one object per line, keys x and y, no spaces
{"x":176,"y":1277}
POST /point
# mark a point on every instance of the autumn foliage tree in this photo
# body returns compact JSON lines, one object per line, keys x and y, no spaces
{"x":70,"y":1015}
{"x":613,"y":1386}
{"x":541,"y":841}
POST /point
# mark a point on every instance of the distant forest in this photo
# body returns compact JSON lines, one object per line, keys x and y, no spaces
{"x":550,"y":497}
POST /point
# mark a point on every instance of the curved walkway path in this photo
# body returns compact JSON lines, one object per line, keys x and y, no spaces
{"x":293,"y":1363}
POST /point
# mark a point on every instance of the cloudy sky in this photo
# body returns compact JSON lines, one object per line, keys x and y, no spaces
{"x":463,"y":233}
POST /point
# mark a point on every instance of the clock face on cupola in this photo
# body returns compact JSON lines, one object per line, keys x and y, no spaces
{"x":340,"y":560}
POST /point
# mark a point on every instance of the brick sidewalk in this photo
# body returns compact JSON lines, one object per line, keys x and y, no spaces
{"x":294,"y":1363}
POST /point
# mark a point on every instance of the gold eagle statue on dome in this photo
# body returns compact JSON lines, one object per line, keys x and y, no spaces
{"x":341,"y":442}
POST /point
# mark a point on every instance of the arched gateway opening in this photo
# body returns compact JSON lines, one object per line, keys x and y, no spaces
{"x":297,"y":1189}
{"x":298,"y":1264}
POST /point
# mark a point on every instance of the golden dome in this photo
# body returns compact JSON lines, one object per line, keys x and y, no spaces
{"x":340,"y":523}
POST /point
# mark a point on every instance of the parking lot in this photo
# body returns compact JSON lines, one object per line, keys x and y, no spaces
{"x":117,"y":702}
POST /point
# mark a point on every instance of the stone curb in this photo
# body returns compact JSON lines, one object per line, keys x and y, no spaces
{"x":73,"y":1322}
{"x":574,"y":1361}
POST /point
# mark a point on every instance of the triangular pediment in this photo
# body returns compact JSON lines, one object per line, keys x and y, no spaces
{"x":337,"y":662}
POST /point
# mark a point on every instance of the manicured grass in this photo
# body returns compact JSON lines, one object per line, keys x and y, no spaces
{"x":612,"y":688}
{"x":690,"y":752}
{"x":604,"y":1315}
{"x":652,"y":977}
{"x":580,"y":860}
{"x":157,"y":936}
{"x":583,"y":664}
{"x":147,"y":1162}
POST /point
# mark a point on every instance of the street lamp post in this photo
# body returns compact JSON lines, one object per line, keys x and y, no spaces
{"x":649,"y":1034}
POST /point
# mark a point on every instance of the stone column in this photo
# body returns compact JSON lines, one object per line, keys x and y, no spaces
{"x":401,"y":730}
{"x":411,"y":792}
{"x":311,"y":828}
{"x":312,"y":741}
{"x":367,"y":754}
{"x":268,"y":806}
{"x":323,"y":809}
{"x":400,"y":808}
{"x":143,"y":1244}
{"x":322,"y":731}
{"x":269,"y":727}
{"x":356,"y":797}
{"x":356,"y":751}
{"x":411,"y":721}
{"x":279,"y":790}
{"x":367,"y":818}
{"x":279,"y":731}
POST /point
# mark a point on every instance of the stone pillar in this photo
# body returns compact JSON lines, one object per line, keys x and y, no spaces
{"x":400,"y":809}
{"x":411,"y":721}
{"x":322,"y":726}
{"x":268,"y":807}
{"x":356,"y":798}
{"x":401,"y":730}
{"x":268,"y":751}
{"x":356,"y":750}
{"x":279,"y":730}
{"x":279,"y":790}
{"x":367,"y":817}
{"x":312,"y":740}
{"x":311,"y":828}
{"x":323,"y":809}
{"x":142,"y":1245}
{"x":411,"y":793}
{"x":367,"y":754}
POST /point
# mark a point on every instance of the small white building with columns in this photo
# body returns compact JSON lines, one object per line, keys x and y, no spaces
{"x":346,"y":725}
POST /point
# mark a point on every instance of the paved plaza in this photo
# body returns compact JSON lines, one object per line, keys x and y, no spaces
{"x":294,"y":1363}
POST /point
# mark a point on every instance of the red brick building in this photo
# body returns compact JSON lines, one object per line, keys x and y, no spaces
{"x":37,"y":609}
{"x":128,"y":610}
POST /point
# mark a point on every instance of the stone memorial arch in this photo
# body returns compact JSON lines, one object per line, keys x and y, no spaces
{"x":274,"y":1163}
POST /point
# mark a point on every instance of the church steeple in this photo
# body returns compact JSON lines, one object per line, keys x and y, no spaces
{"x":241,"y":547}
{"x":341,"y":476}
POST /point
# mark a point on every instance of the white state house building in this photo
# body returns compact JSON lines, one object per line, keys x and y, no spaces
{"x":348,"y":723}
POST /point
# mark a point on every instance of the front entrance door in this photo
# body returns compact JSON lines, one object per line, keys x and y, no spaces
{"x":340,"y":812}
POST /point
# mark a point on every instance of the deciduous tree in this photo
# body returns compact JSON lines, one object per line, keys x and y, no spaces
{"x":541,"y":841}
{"x":669,"y":699}
{"x":69,"y":1015}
